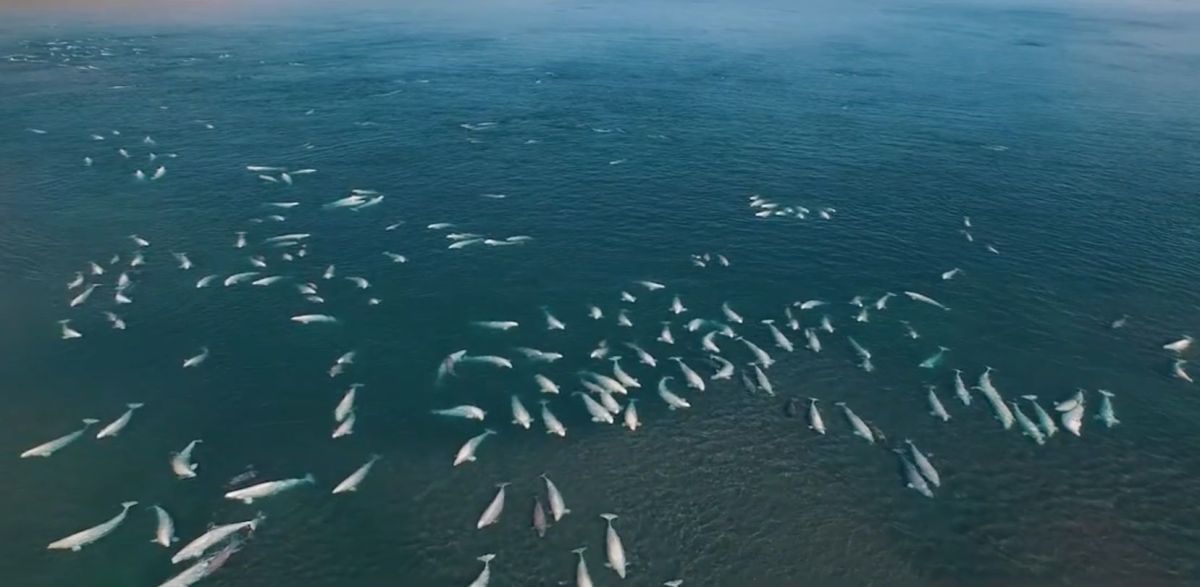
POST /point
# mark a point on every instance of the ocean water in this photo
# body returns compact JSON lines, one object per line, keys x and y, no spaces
{"x":626,"y":138}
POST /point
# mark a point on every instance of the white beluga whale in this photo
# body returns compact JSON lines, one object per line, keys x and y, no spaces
{"x":863,"y":315}
{"x":623,"y":319}
{"x":83,"y":296}
{"x":989,"y":391}
{"x":314,"y":319}
{"x":237,"y":278}
{"x":492,"y":360}
{"x":600,"y":351}
{"x":781,"y":341}
{"x":630,"y":417}
{"x":708,"y":342}
{"x":909,"y":331}
{"x":960,"y":388}
{"x":1070,"y":403}
{"x":608,"y":383}
{"x":814,"y":343}
{"x":826,"y":325}
{"x":643,"y":356}
{"x":1177,"y":370}
{"x":164,"y":533}
{"x":594,"y":312}
{"x":351,"y":483}
{"x":730,"y":314}
{"x":521,"y":415}
{"x":49,"y":448}
{"x":545,"y":385}
{"x":491,"y":514}
{"x":345,"y":406}
{"x":184,"y":262}
{"x":466,"y":411}
{"x":863,"y":354}
{"x":912,"y":477}
{"x":115,"y":428}
{"x":76,"y":281}
{"x":68,"y":333}
{"x":815,"y":421}
{"x":582,"y":577}
{"x":181,"y":462}
{"x":881,"y":303}
{"x":613,"y":546}
{"x":538,"y":356}
{"x":1106,"y":414}
{"x":552,"y":323}
{"x":339,"y":365}
{"x":466,"y":453}
{"x":1180,"y":345}
{"x":248,"y":495}
{"x":359,"y":282}
{"x":558,"y":507}
{"x":763,"y":383}
{"x":1028,"y":428}
{"x":206,"y":281}
{"x":485,"y":576}
{"x":860,"y":428}
{"x":621,"y":376}
{"x":760,"y":356}
{"x":951,"y":274}
{"x":628,"y":297}
{"x":935,"y":405}
{"x":502,"y":325}
{"x":598,"y":412}
{"x":934,"y":360}
{"x":692,"y":378}
{"x":792,"y":322}
{"x":196,"y":360}
{"x":673,"y":401}
{"x":651,"y":285}
{"x":115,"y":320}
{"x":216,"y":535}
{"x":923,"y":465}
{"x":810,"y":304}
{"x":665,"y":336}
{"x":724,"y":368}
{"x":1072,"y":419}
{"x":925,"y":299}
{"x":1049,"y":428}
{"x":553,"y":425}
{"x":446,"y":367}
{"x":345,"y":427}
{"x":78,"y":540}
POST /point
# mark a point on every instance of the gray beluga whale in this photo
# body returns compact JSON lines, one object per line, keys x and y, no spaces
{"x":730,"y":314}
{"x":485,"y":575}
{"x":446,"y":367}
{"x":665,"y":336}
{"x":960,"y":388}
{"x":465,"y":411}
{"x":466,"y":453}
{"x":539,"y":517}
{"x":724,"y":368}
{"x":881,"y":303}
{"x":623,"y":318}
{"x":582,"y":577}
{"x":501,"y":325}
{"x":613,"y":546}
{"x":350,"y":484}
{"x":860,"y":428}
{"x":935,"y":405}
{"x":521,"y":415}
{"x":181,"y":462}
{"x":115,"y":428}
{"x":598,"y":412}
{"x":630,"y":417}
{"x":558,"y":507}
{"x":196,"y":360}
{"x":708,"y":342}
{"x":763,"y":383}
{"x":1180,"y":345}
{"x":814,"y":343}
{"x":692,"y":378}
{"x":674,"y":402}
{"x":78,"y":540}
{"x":552,"y":323}
{"x":216,"y":535}
{"x":677,"y":306}
{"x":815,"y":421}
{"x":826,"y":325}
{"x":329,"y":272}
{"x":951,"y":274}
{"x":760,"y":356}
{"x":545,"y":385}
{"x":240,"y":241}
{"x":925,"y":299}
{"x":491,"y":514}
{"x":164,"y":533}
{"x":985,"y":386}
{"x":624,"y":378}
{"x":1177,"y":370}
{"x":345,"y":406}
{"x":909,"y":331}
{"x":115,"y":320}
{"x":1107,"y":415}
{"x":863,"y":354}
{"x":934,"y":360}
{"x":925,"y":467}
{"x":182,"y":259}
{"x":538,"y":356}
{"x":1027,"y":426}
{"x":1044,"y":420}
{"x":912,"y":477}
{"x":49,"y":448}
{"x":248,"y":495}
{"x":339,"y":365}
{"x":643,"y":356}
{"x":781,"y":341}
{"x":83,"y":296}
{"x":594,"y":312}
{"x":553,"y":425}
{"x":857,"y":301}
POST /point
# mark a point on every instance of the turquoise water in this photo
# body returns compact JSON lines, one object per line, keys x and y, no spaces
{"x":1066,"y":134}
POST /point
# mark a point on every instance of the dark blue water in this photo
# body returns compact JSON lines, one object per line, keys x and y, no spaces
{"x":626,"y":138}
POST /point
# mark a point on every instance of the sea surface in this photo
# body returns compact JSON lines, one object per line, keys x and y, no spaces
{"x":627,"y":137}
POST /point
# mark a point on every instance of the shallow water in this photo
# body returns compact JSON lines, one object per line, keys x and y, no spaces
{"x":1067,"y":134}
